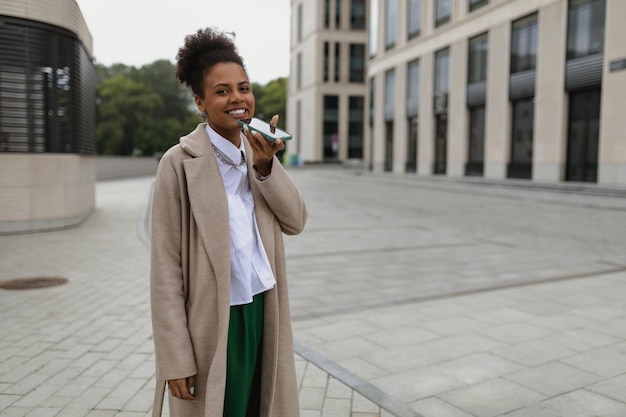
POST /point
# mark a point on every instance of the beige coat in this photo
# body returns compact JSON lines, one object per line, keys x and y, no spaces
{"x":190,"y":278}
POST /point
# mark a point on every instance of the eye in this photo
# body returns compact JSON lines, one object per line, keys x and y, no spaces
{"x":221,"y":92}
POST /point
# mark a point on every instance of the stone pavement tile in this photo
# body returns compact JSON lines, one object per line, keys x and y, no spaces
{"x":416,"y":384}
{"x":454,"y":326}
{"x":534,"y":352}
{"x":492,"y":398}
{"x":391,"y":338}
{"x":553,"y":379}
{"x":362,"y":368}
{"x":564,"y":322}
{"x":346,"y":348}
{"x":463,"y":344}
{"x":580,"y":340}
{"x":312,"y":398}
{"x":605,"y":361}
{"x":336,"y":389}
{"x":394,"y":361}
{"x":616,"y":327}
{"x":336,"y":407}
{"x":360,"y":404}
{"x":516,"y":332}
{"x":435,"y":407}
{"x":501,"y":315}
{"x":579,"y":403}
{"x":477,"y":368}
{"x":614,"y":388}
{"x":341,"y":330}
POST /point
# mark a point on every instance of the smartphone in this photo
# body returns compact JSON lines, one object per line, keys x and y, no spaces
{"x":269,"y":132}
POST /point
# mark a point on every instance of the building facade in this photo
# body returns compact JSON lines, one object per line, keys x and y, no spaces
{"x":491,"y":88}
{"x":327,"y":87}
{"x":47,"y":116}
{"x":498,"y":89}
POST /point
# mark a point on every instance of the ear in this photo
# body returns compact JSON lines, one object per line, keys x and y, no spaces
{"x":198,"y":102}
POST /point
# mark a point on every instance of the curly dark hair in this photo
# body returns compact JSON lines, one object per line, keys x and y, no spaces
{"x":200,"y":52}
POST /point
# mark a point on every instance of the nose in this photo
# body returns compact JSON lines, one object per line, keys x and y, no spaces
{"x":237,"y":96}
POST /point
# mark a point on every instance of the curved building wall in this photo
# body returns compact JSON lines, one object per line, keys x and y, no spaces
{"x":47,"y":116}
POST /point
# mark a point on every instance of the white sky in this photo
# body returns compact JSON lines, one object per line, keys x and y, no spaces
{"x":138,"y":32}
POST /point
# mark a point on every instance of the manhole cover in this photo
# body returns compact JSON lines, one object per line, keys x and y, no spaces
{"x":31,"y":283}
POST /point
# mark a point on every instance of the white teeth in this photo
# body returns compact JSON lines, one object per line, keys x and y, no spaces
{"x":237,"y":112}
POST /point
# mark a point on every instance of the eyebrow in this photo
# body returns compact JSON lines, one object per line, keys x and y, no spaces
{"x":228,"y":85}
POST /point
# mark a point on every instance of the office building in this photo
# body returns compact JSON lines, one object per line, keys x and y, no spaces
{"x":328,"y":81}
{"x":47,"y":116}
{"x":500,"y":89}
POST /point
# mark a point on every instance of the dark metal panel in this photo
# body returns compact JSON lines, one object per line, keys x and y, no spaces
{"x":522,"y":84}
{"x":476,"y":94}
{"x":585,"y":72}
{"x":47,"y":89}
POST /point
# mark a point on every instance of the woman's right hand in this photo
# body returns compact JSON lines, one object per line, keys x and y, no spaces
{"x":183,"y":388}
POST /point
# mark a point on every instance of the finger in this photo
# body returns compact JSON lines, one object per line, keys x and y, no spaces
{"x":279,"y":145}
{"x":174,"y":388}
{"x":274,"y":120}
{"x":191,"y":382}
{"x":179,"y":389}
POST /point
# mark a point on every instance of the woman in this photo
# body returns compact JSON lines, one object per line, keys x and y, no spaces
{"x":220,"y":310}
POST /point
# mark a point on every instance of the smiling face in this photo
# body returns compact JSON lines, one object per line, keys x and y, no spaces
{"x":227,"y":98}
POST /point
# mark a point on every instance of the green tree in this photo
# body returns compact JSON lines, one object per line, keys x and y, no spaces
{"x":272,"y":100}
{"x":159,"y":77}
{"x":146,"y":109}
{"x":125,"y":108}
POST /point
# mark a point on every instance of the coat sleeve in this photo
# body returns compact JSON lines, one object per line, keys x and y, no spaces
{"x":284,"y":199}
{"x":173,"y":348}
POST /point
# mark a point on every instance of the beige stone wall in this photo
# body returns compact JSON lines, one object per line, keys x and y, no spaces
{"x":45,"y":191}
{"x":612,"y":163}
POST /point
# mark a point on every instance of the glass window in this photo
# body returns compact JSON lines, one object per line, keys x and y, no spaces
{"x":390,"y":96}
{"x":357,"y":15}
{"x":412,"y":133}
{"x":391,"y":19}
{"x":443,"y":10}
{"x":442,"y":70}
{"x":326,"y":60}
{"x":357,"y":62}
{"x":475,"y":159}
{"x":331,"y":126}
{"x":413,"y":88}
{"x":326,"y":14}
{"x":355,"y":126}
{"x":522,"y":139}
{"x":373,"y":34}
{"x":299,"y":17}
{"x":585,"y":32}
{"x":337,"y":61}
{"x":338,"y":14}
{"x":371,"y":98}
{"x":524,"y":44}
{"x":414,"y":18}
{"x":299,"y":70}
{"x":477,"y":66}
{"x":475,"y":4}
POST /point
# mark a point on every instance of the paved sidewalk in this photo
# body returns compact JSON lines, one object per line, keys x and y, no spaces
{"x":410,"y":297}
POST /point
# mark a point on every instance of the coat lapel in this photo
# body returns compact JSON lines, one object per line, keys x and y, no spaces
{"x":208,"y":203}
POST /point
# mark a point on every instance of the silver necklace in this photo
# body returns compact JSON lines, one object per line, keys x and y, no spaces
{"x":225,"y":159}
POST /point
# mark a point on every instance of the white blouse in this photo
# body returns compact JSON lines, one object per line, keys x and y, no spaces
{"x":251,"y":273}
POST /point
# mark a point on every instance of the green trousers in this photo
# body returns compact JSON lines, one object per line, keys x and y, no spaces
{"x":243,"y":363}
